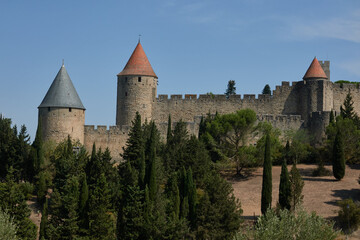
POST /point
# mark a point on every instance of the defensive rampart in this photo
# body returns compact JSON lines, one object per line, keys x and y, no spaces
{"x":113,"y":138}
{"x":281,"y":102}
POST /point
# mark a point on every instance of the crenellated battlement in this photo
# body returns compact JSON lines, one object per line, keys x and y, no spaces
{"x":284,"y":87}
{"x":346,"y":87}
{"x":212,"y":97}
{"x":101,"y":129}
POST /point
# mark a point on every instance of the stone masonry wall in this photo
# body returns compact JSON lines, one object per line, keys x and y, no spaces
{"x":113,"y":138}
{"x":340,"y":92}
{"x":58,"y":123}
{"x":283,"y":101}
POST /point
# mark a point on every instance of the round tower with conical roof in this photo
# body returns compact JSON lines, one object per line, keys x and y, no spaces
{"x":317,"y":95}
{"x":136,"y":88}
{"x":61,"y":112}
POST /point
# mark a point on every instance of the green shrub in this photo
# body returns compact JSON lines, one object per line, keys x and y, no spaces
{"x":321,"y":171}
{"x":7,"y":226}
{"x":349,"y":215}
{"x":288,"y":225}
{"x":27,"y":189}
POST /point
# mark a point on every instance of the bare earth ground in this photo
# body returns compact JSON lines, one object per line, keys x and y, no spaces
{"x":320,"y":193}
{"x":35,"y":215}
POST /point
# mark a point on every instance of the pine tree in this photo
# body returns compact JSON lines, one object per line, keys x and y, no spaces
{"x":266,"y":90}
{"x":101,"y":217}
{"x":348,"y":110}
{"x":231,"y":89}
{"x":70,"y":201}
{"x":284,"y":188}
{"x":297,"y":185}
{"x":338,"y":157}
{"x":266,"y":194}
{"x":134,"y":144}
{"x":44,"y":220}
{"x":130,"y":220}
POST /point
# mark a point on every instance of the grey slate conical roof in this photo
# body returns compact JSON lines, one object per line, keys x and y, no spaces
{"x":62,"y":93}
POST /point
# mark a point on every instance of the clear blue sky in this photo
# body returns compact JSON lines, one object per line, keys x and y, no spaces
{"x":193,"y":46}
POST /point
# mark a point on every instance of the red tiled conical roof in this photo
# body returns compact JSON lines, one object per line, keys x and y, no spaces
{"x":138,"y":64}
{"x":315,"y":70}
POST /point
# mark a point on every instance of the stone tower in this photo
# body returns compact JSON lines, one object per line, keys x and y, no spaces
{"x":136,"y":88}
{"x":61,"y":112}
{"x":316,"y":95}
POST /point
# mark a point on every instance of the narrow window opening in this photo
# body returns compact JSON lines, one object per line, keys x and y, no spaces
{"x":125,"y":94}
{"x":139,"y":79}
{"x":125,"y":79}
{"x":69,"y":109}
{"x":48,"y":109}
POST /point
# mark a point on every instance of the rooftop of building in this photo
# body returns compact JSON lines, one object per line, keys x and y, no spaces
{"x":138,"y":64}
{"x":62,"y":93}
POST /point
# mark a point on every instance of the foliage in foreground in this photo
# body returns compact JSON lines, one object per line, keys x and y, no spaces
{"x":288,"y":225}
{"x":349,"y":215}
{"x":7,"y":226}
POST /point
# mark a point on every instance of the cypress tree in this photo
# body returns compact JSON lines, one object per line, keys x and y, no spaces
{"x":169,"y":134}
{"x":147,"y":205}
{"x":41,"y":188}
{"x":44,"y":220}
{"x":83,"y":204}
{"x":284,"y":188}
{"x":142,"y":170}
{"x":93,"y":167}
{"x":191,"y":188}
{"x":151,"y":173}
{"x":332,"y":117}
{"x":38,"y":158}
{"x":338,"y":157}
{"x":176,"y":203}
{"x":152,"y":180}
{"x":173,"y":194}
{"x":297,"y":185}
{"x":266,"y":194}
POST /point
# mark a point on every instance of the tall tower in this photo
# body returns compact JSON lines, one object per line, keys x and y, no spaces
{"x":317,"y":93}
{"x":61,"y":112}
{"x":136,"y":88}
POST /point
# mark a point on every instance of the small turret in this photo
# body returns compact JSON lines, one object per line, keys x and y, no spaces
{"x":315,"y":71}
{"x":317,"y":94}
{"x":136,"y":88}
{"x":61,"y":111}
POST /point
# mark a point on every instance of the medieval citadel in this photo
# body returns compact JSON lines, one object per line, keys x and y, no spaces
{"x":302,"y":104}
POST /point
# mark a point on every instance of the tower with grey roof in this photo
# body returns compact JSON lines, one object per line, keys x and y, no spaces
{"x":61,"y":112}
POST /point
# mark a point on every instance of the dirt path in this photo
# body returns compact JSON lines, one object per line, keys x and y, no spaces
{"x":321,"y":194}
{"x":35,"y":215}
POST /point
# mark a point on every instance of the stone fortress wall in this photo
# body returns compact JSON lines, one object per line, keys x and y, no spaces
{"x":303,"y":104}
{"x":113,"y":138}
